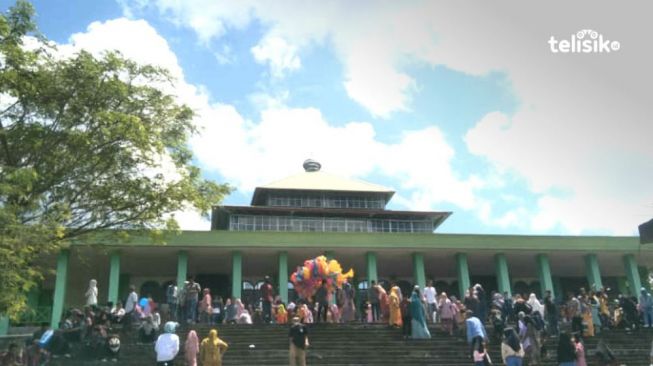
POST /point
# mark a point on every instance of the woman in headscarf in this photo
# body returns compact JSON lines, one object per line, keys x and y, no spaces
{"x":245,"y":317}
{"x":512,"y":352}
{"x":383,"y":304}
{"x":535,"y":304}
{"x":212,"y":349}
{"x":91,"y":293}
{"x":191,"y":348}
{"x":395,"y":311}
{"x":308,"y":314}
{"x":240,"y":307}
{"x":282,"y":314}
{"x":586,"y":313}
{"x":529,"y":337}
{"x":167,"y":345}
{"x":448,"y":311}
{"x":419,"y":330}
{"x":348,"y":313}
{"x":537,"y":310}
{"x":205,"y":306}
{"x":594,"y":308}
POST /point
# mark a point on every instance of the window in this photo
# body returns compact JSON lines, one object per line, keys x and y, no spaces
{"x":326,"y":224}
{"x":356,"y":226}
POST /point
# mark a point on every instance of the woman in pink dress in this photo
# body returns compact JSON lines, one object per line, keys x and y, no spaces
{"x":205,"y":306}
{"x":448,"y":312}
{"x":191,"y":348}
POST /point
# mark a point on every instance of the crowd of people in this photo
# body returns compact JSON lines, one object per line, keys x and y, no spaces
{"x":526,"y":326}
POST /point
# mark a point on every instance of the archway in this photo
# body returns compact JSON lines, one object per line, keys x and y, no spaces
{"x":153,"y":289}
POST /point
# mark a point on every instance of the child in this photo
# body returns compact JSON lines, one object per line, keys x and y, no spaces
{"x":480,"y":355}
{"x":368,"y":312}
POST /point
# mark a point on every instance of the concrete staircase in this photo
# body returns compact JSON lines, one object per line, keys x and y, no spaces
{"x":339,"y":345}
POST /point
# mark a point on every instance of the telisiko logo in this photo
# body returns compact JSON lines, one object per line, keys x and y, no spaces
{"x":584,"y":41}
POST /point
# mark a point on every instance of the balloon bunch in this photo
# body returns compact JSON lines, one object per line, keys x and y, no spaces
{"x":309,"y":277}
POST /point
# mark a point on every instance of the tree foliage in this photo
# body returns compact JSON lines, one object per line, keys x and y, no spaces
{"x":87,"y":144}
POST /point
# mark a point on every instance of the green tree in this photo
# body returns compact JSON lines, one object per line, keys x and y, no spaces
{"x":81,"y":145}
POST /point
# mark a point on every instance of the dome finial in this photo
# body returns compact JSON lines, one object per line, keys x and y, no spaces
{"x":311,"y":165}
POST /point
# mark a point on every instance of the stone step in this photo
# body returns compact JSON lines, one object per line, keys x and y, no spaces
{"x":358,"y":345}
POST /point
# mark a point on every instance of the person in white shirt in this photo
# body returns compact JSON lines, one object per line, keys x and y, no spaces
{"x":431,"y":301}
{"x":132,"y":300}
{"x":167,"y":345}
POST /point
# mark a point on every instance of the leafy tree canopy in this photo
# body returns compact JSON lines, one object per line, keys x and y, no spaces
{"x":87,"y":144}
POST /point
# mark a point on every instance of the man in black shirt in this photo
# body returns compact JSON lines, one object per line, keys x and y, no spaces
{"x":373,"y":298}
{"x":551,"y":314}
{"x":298,"y":337}
{"x":267,"y":293}
{"x":321,"y":297}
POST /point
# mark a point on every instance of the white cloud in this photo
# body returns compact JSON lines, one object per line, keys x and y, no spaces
{"x":581,"y":127}
{"x":280,"y":55}
{"x":129,"y":37}
{"x":192,"y":220}
{"x":370,"y":40}
{"x":251,"y":153}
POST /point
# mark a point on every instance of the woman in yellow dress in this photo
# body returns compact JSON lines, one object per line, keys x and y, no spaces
{"x":212,"y":349}
{"x":395,"y":310}
{"x":586,"y":309}
{"x":282,"y":314}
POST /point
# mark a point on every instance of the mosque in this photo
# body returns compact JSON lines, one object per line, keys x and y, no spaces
{"x":314,"y":213}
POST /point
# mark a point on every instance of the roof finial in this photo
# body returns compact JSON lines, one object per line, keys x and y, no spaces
{"x":311,"y":165}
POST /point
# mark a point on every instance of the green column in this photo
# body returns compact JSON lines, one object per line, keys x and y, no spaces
{"x":557,"y":286}
{"x":463,"y":274}
{"x":622,"y":285}
{"x":419,"y":274}
{"x":283,"y":276}
{"x":371,"y":268}
{"x":503,"y":278}
{"x":236,"y":274}
{"x":544,"y":272}
{"x":593,"y":271}
{"x":114,"y":276}
{"x":4,"y":325}
{"x":632,"y":273}
{"x":182,"y":268}
{"x":60,"y":288}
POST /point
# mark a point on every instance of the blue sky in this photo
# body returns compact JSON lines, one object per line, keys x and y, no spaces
{"x":475,"y":116}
